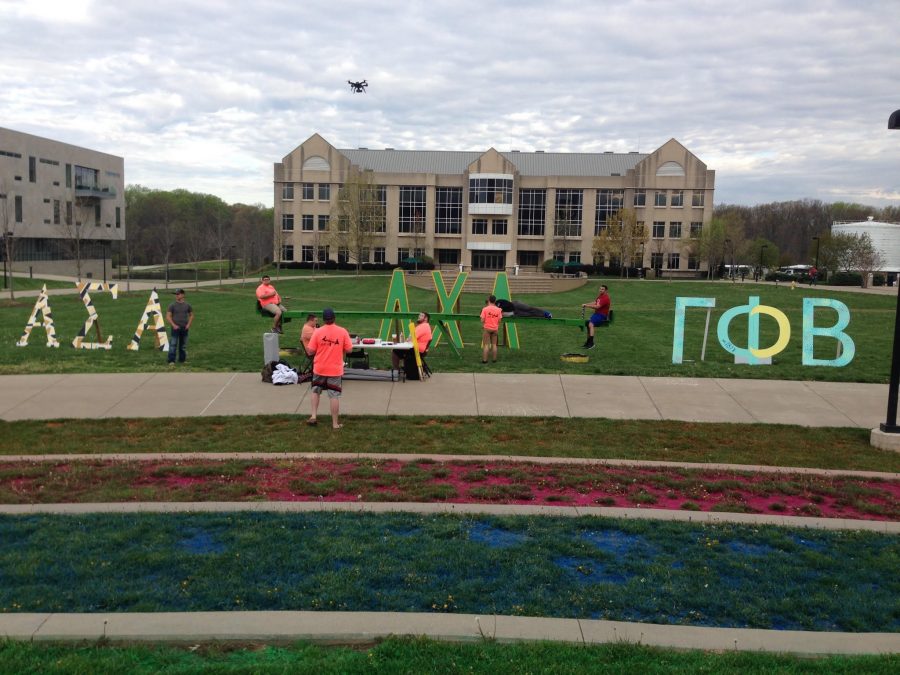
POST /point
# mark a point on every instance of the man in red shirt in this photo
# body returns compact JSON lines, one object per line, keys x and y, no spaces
{"x":601,"y":307}
{"x":327,"y":346}
{"x":490,"y":324}
{"x":270,"y":301}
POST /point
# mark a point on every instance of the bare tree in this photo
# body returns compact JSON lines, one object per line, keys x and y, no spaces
{"x":567,"y":226}
{"x":7,"y":229}
{"x":356,"y":217}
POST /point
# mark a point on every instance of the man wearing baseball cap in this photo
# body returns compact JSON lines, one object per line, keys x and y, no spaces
{"x":180,"y":316}
{"x":328,"y":345}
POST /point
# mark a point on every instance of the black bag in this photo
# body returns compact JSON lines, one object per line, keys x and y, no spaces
{"x":409,"y":365}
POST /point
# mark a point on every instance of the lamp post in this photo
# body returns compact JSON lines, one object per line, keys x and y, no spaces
{"x":890,"y":424}
{"x":642,"y":260}
{"x":731,"y":267}
{"x":761,"y":249}
{"x":816,"y":263}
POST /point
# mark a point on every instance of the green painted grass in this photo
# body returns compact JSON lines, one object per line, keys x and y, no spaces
{"x":630,"y":570}
{"x":774,"y":445}
{"x":415,"y":656}
{"x":227,"y":334}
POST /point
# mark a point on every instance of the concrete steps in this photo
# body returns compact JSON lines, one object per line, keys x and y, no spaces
{"x":483,"y":283}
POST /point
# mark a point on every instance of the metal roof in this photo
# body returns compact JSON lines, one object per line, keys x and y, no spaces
{"x":447,"y":162}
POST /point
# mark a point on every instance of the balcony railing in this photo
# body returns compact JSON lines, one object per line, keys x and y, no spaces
{"x":96,"y":191}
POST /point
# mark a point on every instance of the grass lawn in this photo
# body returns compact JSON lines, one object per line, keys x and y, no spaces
{"x":770,"y":444}
{"x":596,"y":568}
{"x":227,"y":332}
{"x":416,"y":656}
{"x":25,"y":284}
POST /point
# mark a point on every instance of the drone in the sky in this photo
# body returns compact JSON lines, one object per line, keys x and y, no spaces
{"x":358,"y":87}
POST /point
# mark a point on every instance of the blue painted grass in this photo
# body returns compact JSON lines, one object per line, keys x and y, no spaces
{"x":723,"y":575}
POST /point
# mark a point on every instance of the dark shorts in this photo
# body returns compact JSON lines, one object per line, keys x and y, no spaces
{"x":597,"y":319}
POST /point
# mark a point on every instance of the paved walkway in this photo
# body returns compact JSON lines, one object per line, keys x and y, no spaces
{"x":179,"y":394}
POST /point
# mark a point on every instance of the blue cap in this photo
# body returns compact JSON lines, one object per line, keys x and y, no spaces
{"x":328,"y":314}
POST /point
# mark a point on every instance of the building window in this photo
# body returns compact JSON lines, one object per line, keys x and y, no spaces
{"x":640,"y":198}
{"x":609,"y":202}
{"x":479,"y":225}
{"x":674,"y":230}
{"x":696,"y":229}
{"x":380,"y":255}
{"x":306,"y":254}
{"x":287,"y":191}
{"x":569,"y":206}
{"x":659,"y":229}
{"x":674,"y":261}
{"x":532,"y":212}
{"x":678,"y":198}
{"x":381,"y":196}
{"x":308,"y":192}
{"x":447,"y":256}
{"x":343,"y":255}
{"x":575,"y":256}
{"x":498,"y":226}
{"x":118,"y":216}
{"x":323,"y":223}
{"x":402,"y":254}
{"x":529,"y":258}
{"x":660,"y":198}
{"x":693,"y":262}
{"x":68,"y":175}
{"x":306,"y":223}
{"x":697,"y":199}
{"x":656,"y":260}
{"x":322,"y":253}
{"x":324,"y":192}
{"x":56,"y":212}
{"x":287,"y":221}
{"x":412,"y":208}
{"x":448,"y":210}
{"x":287,"y":252}
{"x":18,"y":208}
{"x":490,"y":190}
{"x":32,"y":170}
{"x":85,"y":178}
{"x":559,"y":256}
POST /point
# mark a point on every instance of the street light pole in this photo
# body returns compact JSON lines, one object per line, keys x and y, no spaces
{"x":816,"y":264}
{"x":761,"y":249}
{"x":890,"y":424}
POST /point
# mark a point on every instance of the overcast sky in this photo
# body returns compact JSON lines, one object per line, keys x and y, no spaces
{"x":784,"y":99}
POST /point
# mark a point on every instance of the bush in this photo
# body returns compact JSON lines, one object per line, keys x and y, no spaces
{"x":846,"y":279}
{"x":878,"y":280}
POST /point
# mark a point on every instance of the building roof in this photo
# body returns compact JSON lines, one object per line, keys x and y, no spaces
{"x":446,"y":162}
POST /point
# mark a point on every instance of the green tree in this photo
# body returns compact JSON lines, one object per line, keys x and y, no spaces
{"x":620,"y":239}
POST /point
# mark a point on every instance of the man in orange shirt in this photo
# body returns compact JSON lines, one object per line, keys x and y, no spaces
{"x":423,"y":337}
{"x":270,"y":302}
{"x":327,"y":346}
{"x":306,"y":332}
{"x":490,"y":324}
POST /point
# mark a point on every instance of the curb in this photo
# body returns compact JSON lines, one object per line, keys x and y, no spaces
{"x":366,"y":627}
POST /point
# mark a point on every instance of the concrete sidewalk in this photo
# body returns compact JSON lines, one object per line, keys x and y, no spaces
{"x":179,"y":394}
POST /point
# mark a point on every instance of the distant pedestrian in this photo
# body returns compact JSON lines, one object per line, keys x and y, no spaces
{"x":813,"y":276}
{"x":327,"y":346}
{"x":180,"y":316}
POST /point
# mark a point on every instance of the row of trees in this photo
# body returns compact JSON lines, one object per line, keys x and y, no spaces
{"x":177,"y":226}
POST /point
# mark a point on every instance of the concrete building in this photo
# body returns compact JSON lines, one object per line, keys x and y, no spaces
{"x":494,"y":210}
{"x":59,"y":202}
{"x":885,"y":238}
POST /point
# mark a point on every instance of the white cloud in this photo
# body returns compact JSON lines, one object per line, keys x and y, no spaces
{"x":784,"y":99}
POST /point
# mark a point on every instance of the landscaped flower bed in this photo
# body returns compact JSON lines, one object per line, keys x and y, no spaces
{"x":495,"y":482}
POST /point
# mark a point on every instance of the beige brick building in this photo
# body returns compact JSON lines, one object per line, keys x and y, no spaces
{"x":495,"y":210}
{"x":56,"y":197}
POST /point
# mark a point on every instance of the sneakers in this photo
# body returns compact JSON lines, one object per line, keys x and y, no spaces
{"x":548,"y":315}
{"x":590,"y":345}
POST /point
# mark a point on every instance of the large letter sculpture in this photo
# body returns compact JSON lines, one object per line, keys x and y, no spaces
{"x":83,"y":288}
{"x":152,"y":313}
{"x":810,"y":332}
{"x":42,"y":305}
{"x":753,"y":354}
{"x":510,"y":330}
{"x":397,"y":301}
{"x":446,"y":304}
{"x":681,"y":304}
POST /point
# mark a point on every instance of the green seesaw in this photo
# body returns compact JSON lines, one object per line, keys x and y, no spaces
{"x":445,"y":321}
